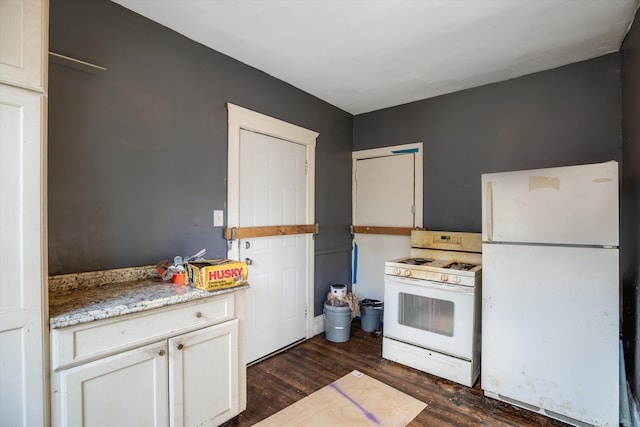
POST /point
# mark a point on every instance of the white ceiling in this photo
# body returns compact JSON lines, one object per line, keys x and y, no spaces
{"x":364,"y":55}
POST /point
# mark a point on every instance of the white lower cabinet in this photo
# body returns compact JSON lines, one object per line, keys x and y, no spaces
{"x":203,"y":380}
{"x":128,"y":389}
{"x":192,"y":377}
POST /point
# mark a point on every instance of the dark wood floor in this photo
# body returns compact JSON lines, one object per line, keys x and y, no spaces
{"x":281,"y":380}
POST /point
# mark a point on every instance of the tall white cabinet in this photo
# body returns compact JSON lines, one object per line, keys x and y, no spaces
{"x":23,"y":261}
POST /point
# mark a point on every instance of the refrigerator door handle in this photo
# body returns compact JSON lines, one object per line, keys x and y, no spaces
{"x":489,"y":211}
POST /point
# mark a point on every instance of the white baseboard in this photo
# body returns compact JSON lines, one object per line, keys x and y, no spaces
{"x":318,"y":325}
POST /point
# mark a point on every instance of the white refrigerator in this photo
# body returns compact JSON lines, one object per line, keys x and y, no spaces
{"x":550,"y":303}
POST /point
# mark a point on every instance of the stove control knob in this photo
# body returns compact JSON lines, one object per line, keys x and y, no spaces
{"x":457,"y":279}
{"x":407,"y":273}
{"x":397,"y":272}
{"x":444,"y":278}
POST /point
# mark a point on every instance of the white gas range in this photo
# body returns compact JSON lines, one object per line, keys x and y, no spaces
{"x":432,"y":305}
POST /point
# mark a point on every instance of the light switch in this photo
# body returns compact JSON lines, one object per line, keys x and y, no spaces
{"x":218,"y":218}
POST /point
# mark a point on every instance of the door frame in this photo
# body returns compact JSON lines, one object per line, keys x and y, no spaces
{"x":415,"y":148}
{"x":242,"y":118}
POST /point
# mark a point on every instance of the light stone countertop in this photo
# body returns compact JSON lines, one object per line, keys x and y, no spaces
{"x":86,"y":297}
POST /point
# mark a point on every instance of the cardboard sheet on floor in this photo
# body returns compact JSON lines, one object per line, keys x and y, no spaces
{"x":353,"y":400}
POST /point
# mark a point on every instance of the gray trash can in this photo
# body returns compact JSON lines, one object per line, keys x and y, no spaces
{"x":371,"y":315}
{"x":337,"y":322}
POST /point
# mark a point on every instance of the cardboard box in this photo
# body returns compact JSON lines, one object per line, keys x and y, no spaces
{"x":217,"y":274}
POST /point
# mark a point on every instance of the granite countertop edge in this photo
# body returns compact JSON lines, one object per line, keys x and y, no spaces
{"x":96,"y":300}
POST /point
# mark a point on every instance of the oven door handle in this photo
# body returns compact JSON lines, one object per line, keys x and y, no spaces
{"x":433,"y":285}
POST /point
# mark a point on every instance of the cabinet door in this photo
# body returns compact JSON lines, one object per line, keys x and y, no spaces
{"x":128,"y":389}
{"x":203,"y":376}
{"x":22,"y":286}
{"x":23,"y":43}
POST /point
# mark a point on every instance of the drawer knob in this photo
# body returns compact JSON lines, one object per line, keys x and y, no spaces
{"x":161,"y":353}
{"x":180,"y":346}
{"x":198,"y":315}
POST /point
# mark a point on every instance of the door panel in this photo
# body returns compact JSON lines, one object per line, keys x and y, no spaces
{"x":273,"y":192}
{"x":385,"y":191}
{"x":22,"y":303}
{"x":24,"y":38}
{"x":373,"y":251}
{"x":204,"y":376}
{"x":123,"y":390}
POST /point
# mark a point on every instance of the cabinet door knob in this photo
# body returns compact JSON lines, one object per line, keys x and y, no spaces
{"x":161,"y":353}
{"x":180,"y":346}
{"x":198,"y":315}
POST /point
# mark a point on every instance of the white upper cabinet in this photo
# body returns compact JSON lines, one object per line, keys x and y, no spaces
{"x":24,"y":43}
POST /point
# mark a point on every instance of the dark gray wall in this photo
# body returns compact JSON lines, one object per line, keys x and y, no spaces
{"x":138,"y":153}
{"x":630,"y":203}
{"x":569,"y":115}
{"x":581,"y":113}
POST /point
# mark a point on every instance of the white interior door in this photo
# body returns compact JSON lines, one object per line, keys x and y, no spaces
{"x":272,"y":192}
{"x":271,"y":183}
{"x":387,"y":192}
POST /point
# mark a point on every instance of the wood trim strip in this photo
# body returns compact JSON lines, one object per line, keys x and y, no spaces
{"x":393,"y":231}
{"x":277,"y":230}
{"x":75,"y":63}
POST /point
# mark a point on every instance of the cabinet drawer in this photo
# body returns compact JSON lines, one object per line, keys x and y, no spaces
{"x":88,"y":341}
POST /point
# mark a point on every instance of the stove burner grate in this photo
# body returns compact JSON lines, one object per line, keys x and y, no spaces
{"x":459,"y":266}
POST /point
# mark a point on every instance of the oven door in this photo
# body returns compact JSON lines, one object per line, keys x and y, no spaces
{"x":433,"y":315}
